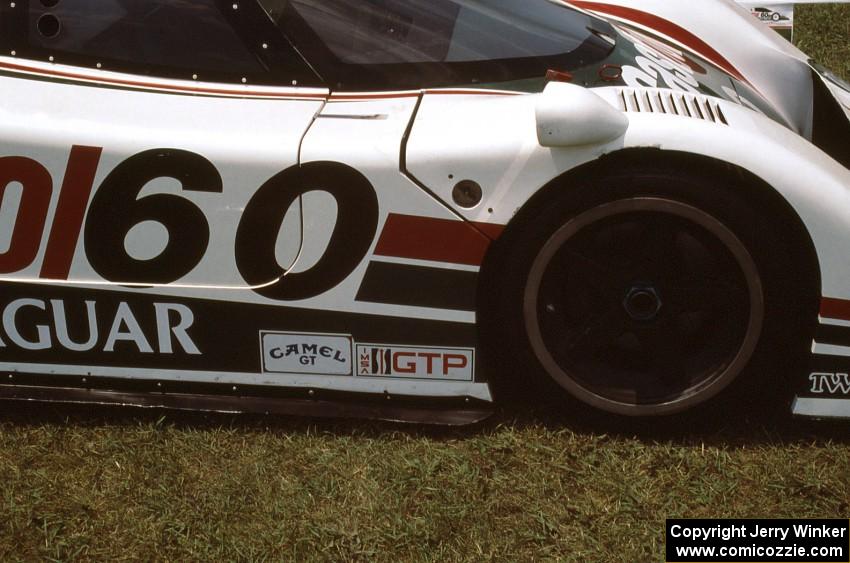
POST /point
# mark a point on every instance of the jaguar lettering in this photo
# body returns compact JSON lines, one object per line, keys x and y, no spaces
{"x":39,"y":324}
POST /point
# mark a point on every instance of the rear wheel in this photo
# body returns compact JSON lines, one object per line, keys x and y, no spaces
{"x":648,"y":294}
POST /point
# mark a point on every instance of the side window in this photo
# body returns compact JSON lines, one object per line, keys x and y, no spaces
{"x":177,"y":38}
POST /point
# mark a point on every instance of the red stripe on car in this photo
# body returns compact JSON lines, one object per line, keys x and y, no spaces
{"x":436,"y":240}
{"x":664,"y":27}
{"x":152,"y":84}
{"x":286,"y":93}
{"x":832,"y":308}
{"x":70,"y":211}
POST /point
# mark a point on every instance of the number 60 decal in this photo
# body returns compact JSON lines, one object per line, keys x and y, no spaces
{"x":116,"y":208}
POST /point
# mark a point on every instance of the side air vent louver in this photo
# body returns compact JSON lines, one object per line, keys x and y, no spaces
{"x":672,"y":103}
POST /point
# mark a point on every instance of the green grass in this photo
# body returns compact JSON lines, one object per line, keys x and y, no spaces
{"x":824,"y":33}
{"x":128,"y":485}
{"x":111,"y":484}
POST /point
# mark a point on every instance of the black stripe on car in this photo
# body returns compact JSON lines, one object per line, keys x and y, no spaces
{"x":419,"y":286}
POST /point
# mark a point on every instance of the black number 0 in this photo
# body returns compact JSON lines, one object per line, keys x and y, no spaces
{"x":356,"y":224}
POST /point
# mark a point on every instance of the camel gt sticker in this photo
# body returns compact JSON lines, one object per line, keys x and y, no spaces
{"x":288,"y":352}
{"x":383,"y":360}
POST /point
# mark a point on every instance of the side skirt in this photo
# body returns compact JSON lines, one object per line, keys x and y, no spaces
{"x":226,"y":399}
{"x":826,"y":391}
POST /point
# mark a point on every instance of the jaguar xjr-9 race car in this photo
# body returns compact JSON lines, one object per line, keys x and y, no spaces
{"x":402,"y":208}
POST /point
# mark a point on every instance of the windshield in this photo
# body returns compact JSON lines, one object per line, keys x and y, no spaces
{"x":440,"y":42}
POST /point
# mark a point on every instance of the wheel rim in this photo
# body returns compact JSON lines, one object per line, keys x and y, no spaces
{"x":643,"y":306}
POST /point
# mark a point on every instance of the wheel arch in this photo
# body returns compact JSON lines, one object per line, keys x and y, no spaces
{"x":800,"y":257}
{"x":759,"y":193}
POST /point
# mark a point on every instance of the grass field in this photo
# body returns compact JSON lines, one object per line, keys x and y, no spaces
{"x":111,"y":484}
{"x":824,"y":33}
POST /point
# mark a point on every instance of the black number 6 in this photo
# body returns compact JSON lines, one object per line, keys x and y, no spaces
{"x":116,"y":208}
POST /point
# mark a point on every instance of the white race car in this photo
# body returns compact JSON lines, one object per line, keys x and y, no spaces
{"x":399,"y":208}
{"x":768,"y":15}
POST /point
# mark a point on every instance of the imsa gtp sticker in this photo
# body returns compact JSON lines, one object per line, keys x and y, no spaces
{"x":413,"y":362}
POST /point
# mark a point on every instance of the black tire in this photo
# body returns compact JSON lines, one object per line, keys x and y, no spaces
{"x":650,"y":293}
{"x":775,"y":17}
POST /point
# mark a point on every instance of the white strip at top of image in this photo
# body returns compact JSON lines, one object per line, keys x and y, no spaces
{"x":772,"y":3}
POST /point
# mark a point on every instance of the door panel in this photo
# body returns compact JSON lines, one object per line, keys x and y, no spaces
{"x":410,"y":268}
{"x":143,"y":188}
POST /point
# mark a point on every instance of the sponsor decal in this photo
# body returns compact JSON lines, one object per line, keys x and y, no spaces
{"x":659,"y":65}
{"x":829,"y":383}
{"x":71,"y":326}
{"x":663,"y":27}
{"x":43,"y":324}
{"x":386,"y":360}
{"x":290,"y":352}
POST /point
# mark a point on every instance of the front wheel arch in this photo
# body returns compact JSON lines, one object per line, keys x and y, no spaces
{"x":760,"y":194}
{"x":790,"y":233}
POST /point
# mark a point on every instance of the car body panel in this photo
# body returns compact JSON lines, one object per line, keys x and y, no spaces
{"x":43,"y":120}
{"x":840,"y":89}
{"x":519,"y":167}
{"x":318,"y":250}
{"x":772,"y":66}
{"x":212,"y":325}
